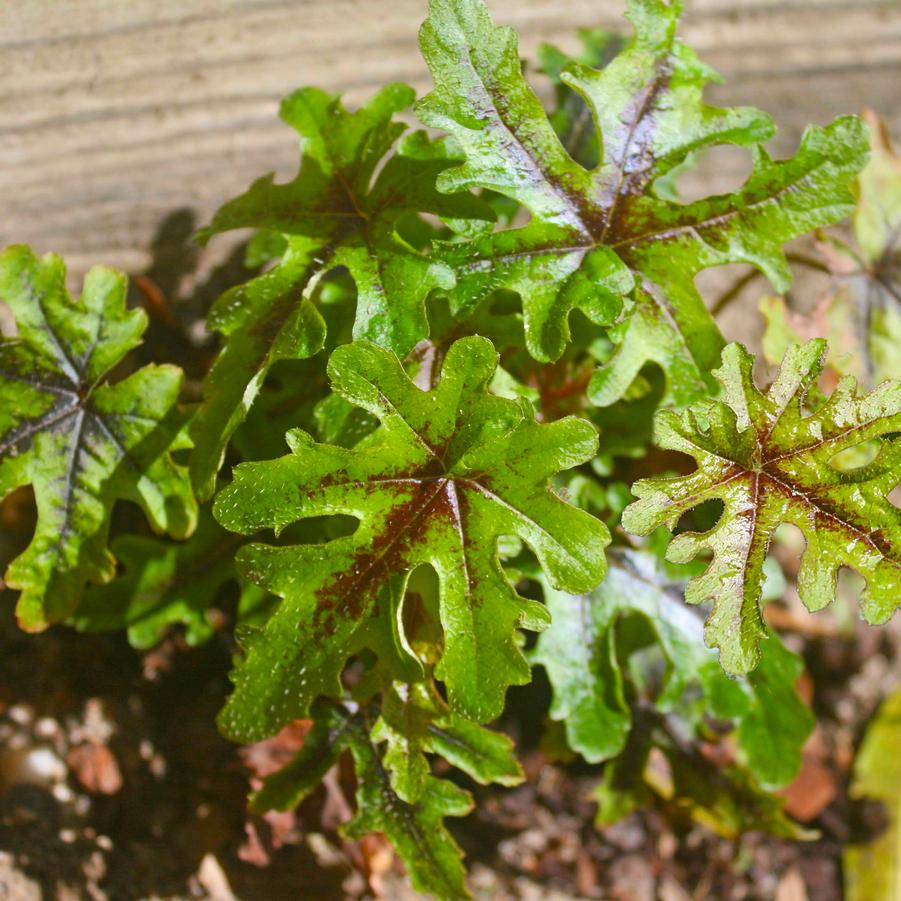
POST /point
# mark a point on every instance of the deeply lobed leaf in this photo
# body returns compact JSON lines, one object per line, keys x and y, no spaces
{"x":587,"y":659}
{"x":415,"y":721}
{"x":416,"y":830}
{"x":769,"y":463}
{"x":340,"y":210}
{"x":451,"y":471}
{"x":80,"y":440}
{"x":163,"y":583}
{"x":605,"y":235}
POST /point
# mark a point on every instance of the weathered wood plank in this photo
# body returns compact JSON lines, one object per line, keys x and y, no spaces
{"x":114,"y":114}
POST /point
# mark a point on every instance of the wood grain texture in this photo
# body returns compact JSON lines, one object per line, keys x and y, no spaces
{"x":113,"y":114}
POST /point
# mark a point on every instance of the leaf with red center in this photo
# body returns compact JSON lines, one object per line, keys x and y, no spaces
{"x":342,"y":209}
{"x":81,"y":440}
{"x":769,"y":463}
{"x":603,"y":237}
{"x":450,"y":472}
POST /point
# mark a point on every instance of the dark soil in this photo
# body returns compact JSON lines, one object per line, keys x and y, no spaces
{"x":114,"y":784}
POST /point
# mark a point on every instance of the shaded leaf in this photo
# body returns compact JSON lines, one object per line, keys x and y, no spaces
{"x":660,"y":768}
{"x":322,"y":746}
{"x":163,"y":583}
{"x":590,"y":659}
{"x":79,"y":439}
{"x":416,"y":830}
{"x":415,"y":721}
{"x":729,"y":801}
{"x":769,"y":463}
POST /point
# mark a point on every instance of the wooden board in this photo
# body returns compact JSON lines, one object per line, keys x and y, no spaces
{"x":114,"y":114}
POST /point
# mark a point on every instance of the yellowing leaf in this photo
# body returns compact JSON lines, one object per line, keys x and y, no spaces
{"x":873,"y":870}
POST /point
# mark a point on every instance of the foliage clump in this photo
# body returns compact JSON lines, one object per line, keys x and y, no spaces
{"x":465,"y":401}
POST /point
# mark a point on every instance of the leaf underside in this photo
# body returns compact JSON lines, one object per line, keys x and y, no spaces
{"x":582,"y":654}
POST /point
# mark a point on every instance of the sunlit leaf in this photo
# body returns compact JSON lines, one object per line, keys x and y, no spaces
{"x":598,"y":238}
{"x":450,"y":472}
{"x":342,"y":209}
{"x":769,"y":463}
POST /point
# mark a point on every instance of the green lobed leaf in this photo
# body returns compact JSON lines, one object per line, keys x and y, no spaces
{"x":769,"y":463}
{"x":571,"y":116}
{"x":416,"y":830}
{"x":80,"y":440}
{"x":342,"y":209}
{"x":331,"y":733}
{"x":416,"y":721}
{"x":163,"y":583}
{"x":450,"y":472}
{"x":601,"y":235}
{"x":589,"y":661}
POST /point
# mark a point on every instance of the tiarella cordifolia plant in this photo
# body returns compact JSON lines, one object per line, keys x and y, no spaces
{"x":459,"y":393}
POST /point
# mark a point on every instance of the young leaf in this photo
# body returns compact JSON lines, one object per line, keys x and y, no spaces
{"x":336,"y":212}
{"x":595,"y":235}
{"x":450,"y":472}
{"x":331,"y":733}
{"x":163,"y":583}
{"x":415,"y":721}
{"x":587,"y":667}
{"x":769,"y":463}
{"x":81,"y":441}
{"x":416,"y":830}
